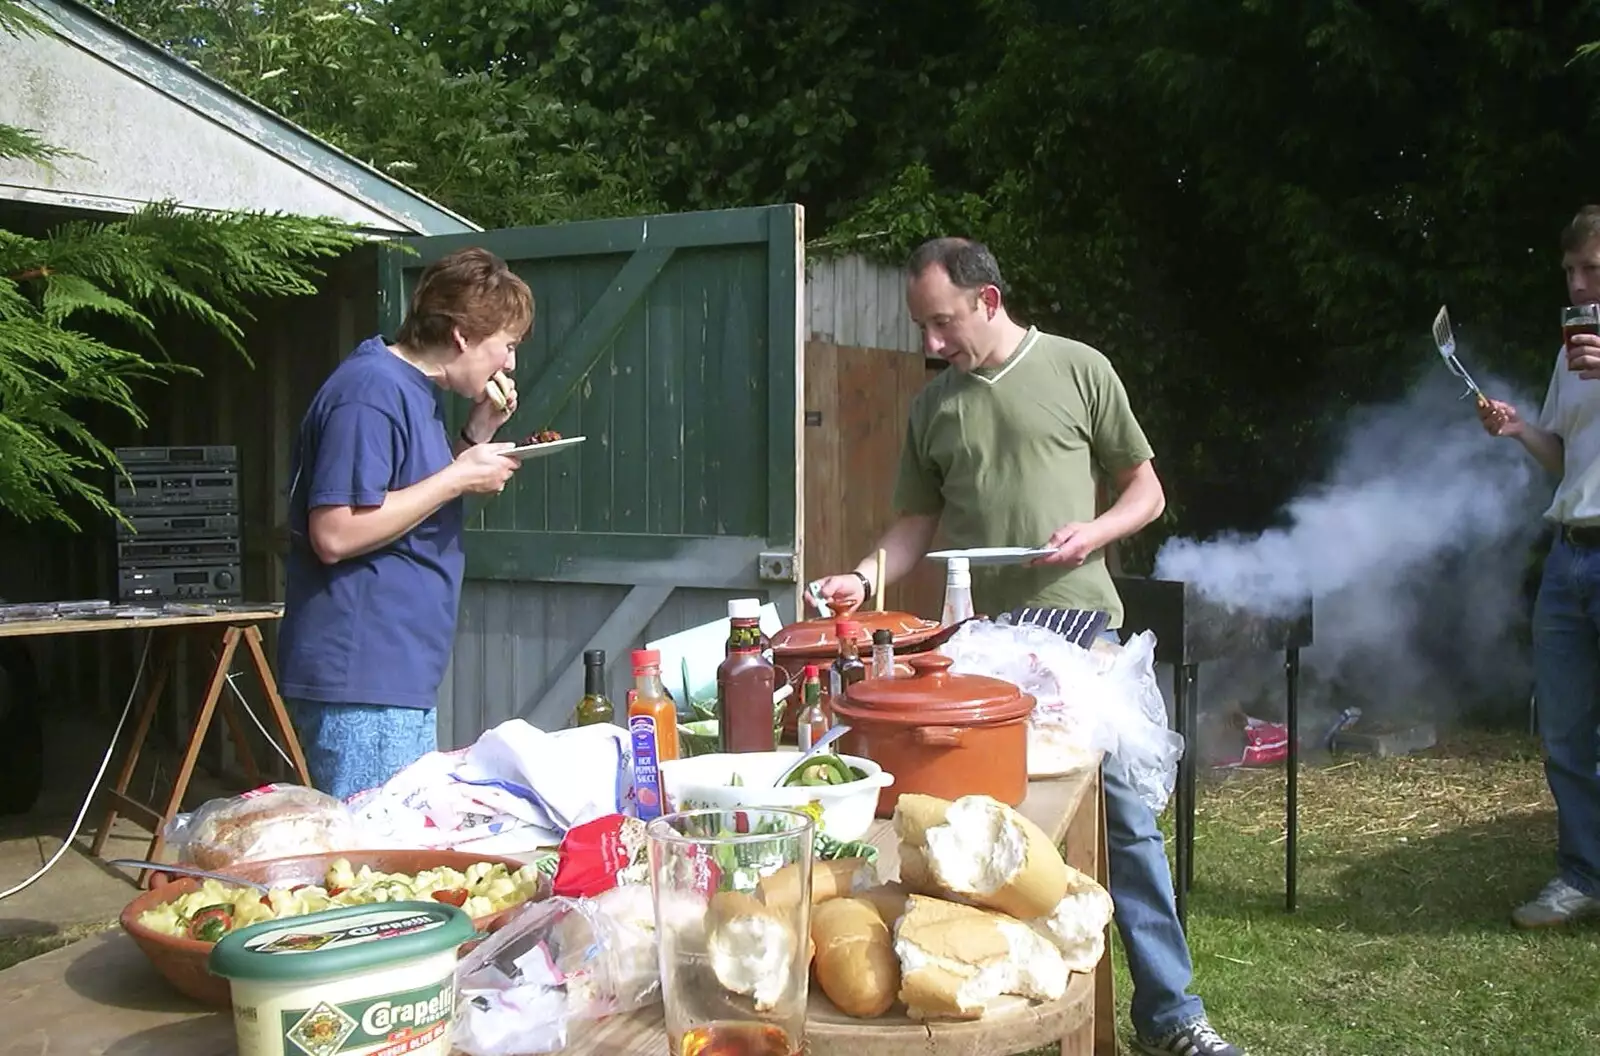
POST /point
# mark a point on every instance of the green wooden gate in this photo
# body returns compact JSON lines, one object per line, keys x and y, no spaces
{"x":674,"y":344}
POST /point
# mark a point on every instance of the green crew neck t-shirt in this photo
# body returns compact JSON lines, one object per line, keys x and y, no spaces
{"x":1007,"y":455}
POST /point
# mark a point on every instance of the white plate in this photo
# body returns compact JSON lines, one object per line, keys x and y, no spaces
{"x":540,"y":450}
{"x":993,"y":555}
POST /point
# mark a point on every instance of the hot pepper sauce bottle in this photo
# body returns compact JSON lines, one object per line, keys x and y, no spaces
{"x":652,"y":730}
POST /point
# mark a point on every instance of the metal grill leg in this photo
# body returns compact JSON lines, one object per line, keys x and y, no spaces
{"x":1185,"y":683}
{"x":1291,"y":667}
{"x":1191,"y":735}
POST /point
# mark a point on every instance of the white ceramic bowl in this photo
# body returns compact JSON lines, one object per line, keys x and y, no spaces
{"x":704,"y":781}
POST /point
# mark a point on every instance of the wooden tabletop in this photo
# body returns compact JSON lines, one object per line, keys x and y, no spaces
{"x":80,"y":625}
{"x":100,"y":997}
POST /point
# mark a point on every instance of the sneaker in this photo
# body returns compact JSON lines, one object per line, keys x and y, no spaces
{"x":1195,"y":1039}
{"x":1559,"y":903}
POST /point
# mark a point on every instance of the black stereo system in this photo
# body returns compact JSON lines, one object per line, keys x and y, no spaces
{"x":181,"y":542}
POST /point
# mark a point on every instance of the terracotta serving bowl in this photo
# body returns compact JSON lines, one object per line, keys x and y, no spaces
{"x":182,"y":962}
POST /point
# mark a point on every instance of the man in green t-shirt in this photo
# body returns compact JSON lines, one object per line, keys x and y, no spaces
{"x":1011,"y":447}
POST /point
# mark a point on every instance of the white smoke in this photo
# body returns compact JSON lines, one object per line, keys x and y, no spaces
{"x":1414,"y":550}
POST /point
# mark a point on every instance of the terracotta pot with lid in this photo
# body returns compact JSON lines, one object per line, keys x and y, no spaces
{"x":814,"y":642}
{"x":940,"y":733}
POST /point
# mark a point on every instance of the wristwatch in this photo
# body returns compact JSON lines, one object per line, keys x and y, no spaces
{"x":468,"y":440}
{"x":866,"y":584}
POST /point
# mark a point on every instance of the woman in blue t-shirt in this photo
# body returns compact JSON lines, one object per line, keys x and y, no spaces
{"x":375,"y":510}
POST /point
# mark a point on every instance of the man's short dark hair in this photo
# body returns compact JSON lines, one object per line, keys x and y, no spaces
{"x":967,"y":261}
{"x":1583,"y":229}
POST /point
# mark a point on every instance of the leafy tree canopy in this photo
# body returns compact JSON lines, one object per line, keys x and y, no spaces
{"x":56,"y":292}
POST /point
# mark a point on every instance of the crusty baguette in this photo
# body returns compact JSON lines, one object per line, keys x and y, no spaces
{"x":915,"y":814}
{"x":914,"y":872}
{"x":888,"y":899}
{"x":1077,"y":926}
{"x":981,"y":851}
{"x":855,"y":961}
{"x":751,"y":947}
{"x":955,"y":959}
{"x":931,"y":992}
{"x":836,"y":878}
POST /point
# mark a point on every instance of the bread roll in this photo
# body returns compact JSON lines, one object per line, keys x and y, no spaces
{"x":983,"y":851}
{"x":751,"y":947}
{"x":915,"y":814}
{"x":829,"y":879}
{"x":1077,"y":926}
{"x":888,"y":899}
{"x":274,"y":822}
{"x":495,"y":391}
{"x":855,"y":960}
{"x":955,"y":959}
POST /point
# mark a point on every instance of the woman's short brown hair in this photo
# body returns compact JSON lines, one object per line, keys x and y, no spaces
{"x":471,"y":289}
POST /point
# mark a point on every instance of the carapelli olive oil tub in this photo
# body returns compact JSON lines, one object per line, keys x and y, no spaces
{"x":376,"y":980}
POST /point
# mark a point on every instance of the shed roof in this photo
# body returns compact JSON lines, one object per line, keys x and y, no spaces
{"x":150,"y":127}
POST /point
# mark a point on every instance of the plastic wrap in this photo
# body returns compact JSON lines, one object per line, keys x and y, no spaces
{"x":274,"y":821}
{"x":540,"y":982}
{"x":1089,"y":701}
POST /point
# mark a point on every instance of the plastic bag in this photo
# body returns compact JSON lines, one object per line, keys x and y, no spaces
{"x":1088,"y":701}
{"x":273,"y":821}
{"x":597,"y":856}
{"x":1148,"y":748}
{"x":539,"y":983}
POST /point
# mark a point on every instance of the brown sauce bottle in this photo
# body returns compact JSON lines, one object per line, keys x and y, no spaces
{"x":745,"y":680}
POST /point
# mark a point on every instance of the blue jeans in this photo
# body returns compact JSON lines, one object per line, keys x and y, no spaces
{"x":353,"y":747}
{"x":1566,"y":668}
{"x":1146,"y":909}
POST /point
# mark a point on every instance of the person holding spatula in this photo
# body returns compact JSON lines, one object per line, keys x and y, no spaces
{"x":1008,"y":448}
{"x":375,"y":520}
{"x":1566,"y":617}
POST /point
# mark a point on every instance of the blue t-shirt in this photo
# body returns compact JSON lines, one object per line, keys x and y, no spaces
{"x":378,"y":628}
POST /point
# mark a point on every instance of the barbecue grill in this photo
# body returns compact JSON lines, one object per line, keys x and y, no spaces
{"x":1191,"y":628}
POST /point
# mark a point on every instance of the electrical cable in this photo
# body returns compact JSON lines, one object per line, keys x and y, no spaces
{"x":248,"y":710}
{"x":94,"y":787}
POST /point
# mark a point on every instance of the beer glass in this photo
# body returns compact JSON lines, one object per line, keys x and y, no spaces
{"x":1578,"y":319}
{"x":733,"y":922}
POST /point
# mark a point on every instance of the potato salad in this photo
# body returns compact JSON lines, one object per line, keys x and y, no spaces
{"x":214,"y":909}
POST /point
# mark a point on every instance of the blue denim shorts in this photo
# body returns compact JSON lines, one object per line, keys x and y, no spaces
{"x":353,"y":747}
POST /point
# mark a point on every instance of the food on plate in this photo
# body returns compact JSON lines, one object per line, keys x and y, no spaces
{"x":979,"y":848}
{"x":275,"y":821}
{"x":829,"y":879}
{"x":495,"y":389}
{"x":216,"y":909}
{"x":543,"y":436}
{"x":955,"y":960}
{"x":751,"y":946}
{"x":855,"y":960}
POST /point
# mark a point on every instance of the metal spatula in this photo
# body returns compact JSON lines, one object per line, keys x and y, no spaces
{"x":1445,"y":340}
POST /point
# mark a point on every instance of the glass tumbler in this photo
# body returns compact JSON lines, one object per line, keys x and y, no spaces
{"x":1578,"y":319}
{"x":733,"y":920}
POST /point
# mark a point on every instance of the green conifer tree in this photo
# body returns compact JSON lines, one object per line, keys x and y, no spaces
{"x":160,"y":261}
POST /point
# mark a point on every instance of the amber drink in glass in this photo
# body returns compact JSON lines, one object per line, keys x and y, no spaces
{"x":733,"y":914}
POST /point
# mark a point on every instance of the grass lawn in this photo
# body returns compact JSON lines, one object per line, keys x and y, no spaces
{"x":1408,"y":870}
{"x":1402,"y":946}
